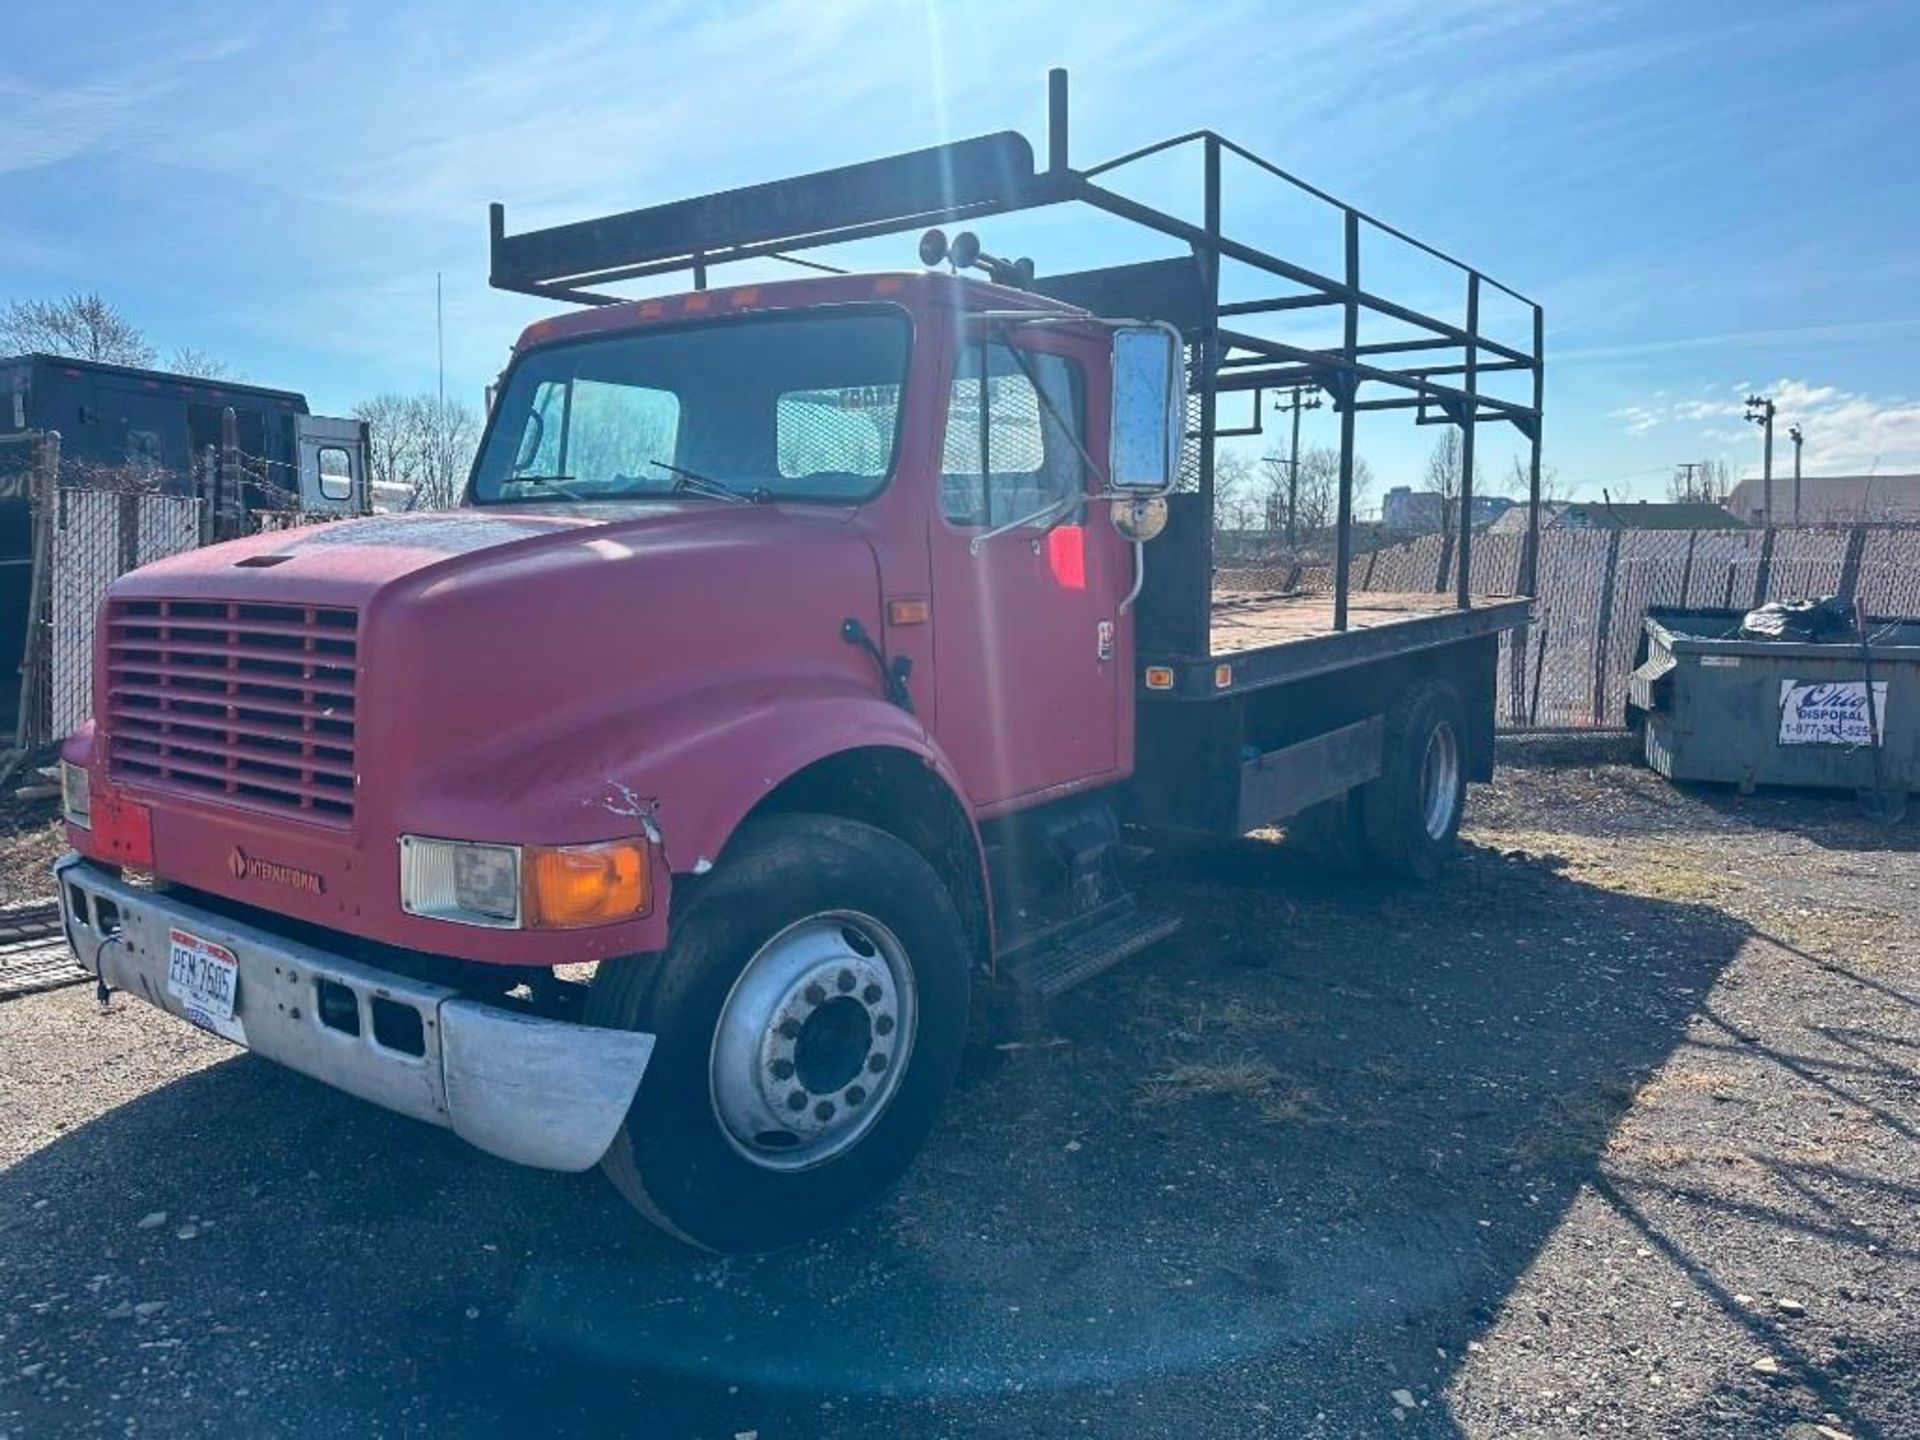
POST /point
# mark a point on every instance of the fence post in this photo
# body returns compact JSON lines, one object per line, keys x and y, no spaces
{"x":1765,"y":572}
{"x":1850,"y":565}
{"x":1605,"y":619}
{"x":34,"y":716}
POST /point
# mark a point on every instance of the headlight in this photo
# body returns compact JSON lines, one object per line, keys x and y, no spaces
{"x":75,"y":801}
{"x":454,"y":880}
{"x":525,"y":886}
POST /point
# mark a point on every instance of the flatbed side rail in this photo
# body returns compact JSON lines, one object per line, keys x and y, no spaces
{"x":1437,"y":371}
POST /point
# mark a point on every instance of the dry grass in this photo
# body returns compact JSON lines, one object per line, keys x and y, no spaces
{"x":1573,"y":1126}
{"x":26,"y":862}
{"x":1237,"y":1018}
{"x":1278,"y":1099}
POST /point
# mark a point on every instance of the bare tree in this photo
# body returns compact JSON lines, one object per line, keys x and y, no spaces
{"x":1235,"y":505}
{"x":420,"y":444}
{"x":1520,"y":481}
{"x":1319,"y":488}
{"x":449,"y":434}
{"x":1706,"y":482}
{"x":79,"y":326}
{"x":186,"y":360}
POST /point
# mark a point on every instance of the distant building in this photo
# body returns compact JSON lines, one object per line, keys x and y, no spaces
{"x":1407,"y":511}
{"x":1830,"y":499}
{"x":1644,"y":515}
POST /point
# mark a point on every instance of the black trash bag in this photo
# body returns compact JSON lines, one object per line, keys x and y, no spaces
{"x":1828,"y":618}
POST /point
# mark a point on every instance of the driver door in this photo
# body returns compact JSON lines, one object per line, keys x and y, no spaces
{"x":1027,"y":638}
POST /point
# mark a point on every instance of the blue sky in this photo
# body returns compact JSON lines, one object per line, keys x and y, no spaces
{"x":1707,"y":197}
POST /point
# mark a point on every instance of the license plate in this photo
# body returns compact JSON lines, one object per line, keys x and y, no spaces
{"x":203,"y":977}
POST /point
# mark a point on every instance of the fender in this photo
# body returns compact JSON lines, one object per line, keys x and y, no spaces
{"x":687,"y":770}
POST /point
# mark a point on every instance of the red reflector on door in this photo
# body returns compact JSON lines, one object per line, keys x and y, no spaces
{"x":1067,"y":556}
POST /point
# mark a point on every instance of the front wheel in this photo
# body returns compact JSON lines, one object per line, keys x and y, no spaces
{"x":809,"y":1014}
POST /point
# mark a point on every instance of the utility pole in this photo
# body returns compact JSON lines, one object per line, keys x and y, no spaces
{"x":1686,"y":468}
{"x":1795,"y":434}
{"x":1760,"y":412}
{"x":1296,"y":404}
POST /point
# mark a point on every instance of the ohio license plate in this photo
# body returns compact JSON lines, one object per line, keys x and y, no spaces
{"x":203,"y":977}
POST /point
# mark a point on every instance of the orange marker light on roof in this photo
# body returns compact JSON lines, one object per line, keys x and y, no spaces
{"x":745,"y":295}
{"x":694,"y":304}
{"x":887,"y":285}
{"x":1159,"y":677}
{"x":650,"y":309}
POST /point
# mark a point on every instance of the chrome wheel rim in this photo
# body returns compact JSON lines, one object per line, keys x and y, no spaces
{"x":813,"y":1040}
{"x":1440,"y":781}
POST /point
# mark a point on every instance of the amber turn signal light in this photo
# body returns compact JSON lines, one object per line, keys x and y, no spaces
{"x":574,"y":885}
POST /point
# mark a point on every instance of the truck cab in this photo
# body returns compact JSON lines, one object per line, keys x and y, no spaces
{"x":834,"y":547}
{"x":793,"y":663}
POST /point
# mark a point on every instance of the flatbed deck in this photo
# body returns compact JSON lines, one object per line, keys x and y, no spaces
{"x":1259,"y":638}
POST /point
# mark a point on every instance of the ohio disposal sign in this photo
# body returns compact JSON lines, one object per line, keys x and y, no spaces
{"x":1832,"y":712}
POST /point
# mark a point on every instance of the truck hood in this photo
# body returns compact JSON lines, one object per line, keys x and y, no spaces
{"x":346,"y":562}
{"x":482,"y":633}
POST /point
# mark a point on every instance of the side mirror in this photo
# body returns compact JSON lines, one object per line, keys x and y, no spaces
{"x":1149,"y":408}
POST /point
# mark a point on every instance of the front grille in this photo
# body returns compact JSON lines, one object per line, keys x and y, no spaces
{"x":250,"y":702}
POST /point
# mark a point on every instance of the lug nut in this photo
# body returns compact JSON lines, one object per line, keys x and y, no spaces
{"x":871,"y":994}
{"x":876,"y":1063}
{"x":824,"y":1110}
{"x":790,"y":1028}
{"x":815,"y":994}
{"x":844,"y":980}
{"x":883,"y":1024}
{"x":782,"y":1069}
{"x":855,"y":1095}
{"x":797,"y":1100}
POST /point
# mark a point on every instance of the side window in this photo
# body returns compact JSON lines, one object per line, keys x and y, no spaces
{"x":1006,"y":455}
{"x":336,"y":473}
{"x":614,"y":431}
{"x":841,"y":432}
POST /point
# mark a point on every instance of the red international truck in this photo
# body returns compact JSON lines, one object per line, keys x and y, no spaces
{"x":800,"y":658}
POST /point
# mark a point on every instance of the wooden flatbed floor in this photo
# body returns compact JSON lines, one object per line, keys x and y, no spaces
{"x":1268,"y":637}
{"x":1253,"y":619}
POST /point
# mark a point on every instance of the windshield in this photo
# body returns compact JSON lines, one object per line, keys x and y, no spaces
{"x":776,"y":407}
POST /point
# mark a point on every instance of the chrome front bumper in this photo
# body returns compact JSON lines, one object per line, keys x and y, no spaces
{"x":539,"y":1092}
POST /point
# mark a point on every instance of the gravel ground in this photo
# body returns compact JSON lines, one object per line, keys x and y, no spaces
{"x":1610,"y":1132}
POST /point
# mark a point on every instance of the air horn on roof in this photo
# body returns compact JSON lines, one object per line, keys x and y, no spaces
{"x":964,"y":253}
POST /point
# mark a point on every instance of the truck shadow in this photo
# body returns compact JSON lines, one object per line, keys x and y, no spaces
{"x":1291,"y":1160}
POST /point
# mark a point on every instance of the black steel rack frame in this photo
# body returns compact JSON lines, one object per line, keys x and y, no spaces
{"x":1437,"y":371}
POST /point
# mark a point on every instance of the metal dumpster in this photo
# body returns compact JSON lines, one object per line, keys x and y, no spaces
{"x":1715,"y":706}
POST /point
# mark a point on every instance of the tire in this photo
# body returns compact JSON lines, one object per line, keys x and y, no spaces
{"x":1410,"y":814}
{"x":838,"y":963}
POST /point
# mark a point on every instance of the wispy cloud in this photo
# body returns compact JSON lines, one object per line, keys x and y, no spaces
{"x":1846,"y":432}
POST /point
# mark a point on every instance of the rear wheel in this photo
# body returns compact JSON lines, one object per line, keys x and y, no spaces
{"x":809,"y":1013}
{"x":1410,"y":814}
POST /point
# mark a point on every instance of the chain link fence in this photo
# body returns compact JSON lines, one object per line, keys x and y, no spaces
{"x":1569,"y":668}
{"x":66,"y":534}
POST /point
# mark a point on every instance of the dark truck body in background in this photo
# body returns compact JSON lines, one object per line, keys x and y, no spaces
{"x":244,"y":450}
{"x":802,"y":650}
{"x":119,"y":424}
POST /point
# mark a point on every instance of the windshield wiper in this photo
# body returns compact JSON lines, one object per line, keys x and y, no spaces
{"x":556,"y":482}
{"x":693,"y":482}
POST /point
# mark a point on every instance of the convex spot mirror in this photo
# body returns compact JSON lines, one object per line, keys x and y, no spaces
{"x":1149,"y":408}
